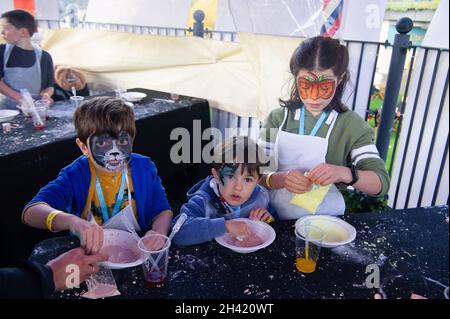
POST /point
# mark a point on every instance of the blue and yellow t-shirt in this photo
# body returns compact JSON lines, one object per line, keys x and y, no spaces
{"x":110,"y":183}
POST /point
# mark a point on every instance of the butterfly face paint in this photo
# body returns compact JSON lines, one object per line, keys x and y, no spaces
{"x":314,"y":87}
{"x":110,"y":153}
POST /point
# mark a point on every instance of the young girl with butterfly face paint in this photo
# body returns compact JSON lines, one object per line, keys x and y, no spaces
{"x":107,"y":187}
{"x":313,"y":132}
{"x":232,"y":191}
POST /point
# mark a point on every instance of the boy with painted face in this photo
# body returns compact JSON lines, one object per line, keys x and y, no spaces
{"x":107,"y":187}
{"x":231,"y":192}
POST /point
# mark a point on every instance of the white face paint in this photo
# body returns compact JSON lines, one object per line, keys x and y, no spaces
{"x":110,"y":153}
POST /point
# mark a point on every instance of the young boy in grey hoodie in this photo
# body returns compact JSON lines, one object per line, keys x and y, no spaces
{"x":232,"y":191}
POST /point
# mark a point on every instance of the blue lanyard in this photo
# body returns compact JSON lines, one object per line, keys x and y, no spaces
{"x":301,"y":128}
{"x":236,"y":211}
{"x":119,"y":198}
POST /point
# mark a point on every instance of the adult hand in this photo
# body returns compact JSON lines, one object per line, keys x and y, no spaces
{"x":153,"y":242}
{"x":325,"y":174}
{"x":85,"y":264}
{"x":260,"y":214}
{"x":90,"y":234}
{"x":296,"y":182}
{"x":237,"y":229}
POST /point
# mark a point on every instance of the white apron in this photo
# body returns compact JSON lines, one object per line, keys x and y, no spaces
{"x":303,"y":152}
{"x":21,"y":78}
{"x":123,"y":219}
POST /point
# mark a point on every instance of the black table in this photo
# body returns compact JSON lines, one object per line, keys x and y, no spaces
{"x":29,"y":159}
{"x":409,"y":246}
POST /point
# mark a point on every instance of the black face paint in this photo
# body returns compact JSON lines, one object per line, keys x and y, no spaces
{"x":111,"y":153}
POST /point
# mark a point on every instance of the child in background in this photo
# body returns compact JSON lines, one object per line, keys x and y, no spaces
{"x":23,"y":65}
{"x":232,"y":191}
{"x":67,"y":78}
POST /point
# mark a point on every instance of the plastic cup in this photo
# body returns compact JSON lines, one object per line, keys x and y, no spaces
{"x":174,"y":97}
{"x":118,"y":93}
{"x":39,"y":117}
{"x":76,"y":100}
{"x":43,"y":103}
{"x":154,"y":259}
{"x":308,"y":240}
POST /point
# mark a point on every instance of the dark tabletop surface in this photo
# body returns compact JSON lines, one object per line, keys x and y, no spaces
{"x":24,"y":136}
{"x":409,"y":246}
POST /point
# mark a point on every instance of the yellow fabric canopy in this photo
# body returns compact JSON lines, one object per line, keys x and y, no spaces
{"x":244,"y":77}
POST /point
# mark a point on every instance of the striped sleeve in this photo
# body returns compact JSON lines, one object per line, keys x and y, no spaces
{"x":364,"y":154}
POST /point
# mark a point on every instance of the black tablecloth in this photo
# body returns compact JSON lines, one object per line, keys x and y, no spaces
{"x":29,"y":159}
{"x":409,"y":246}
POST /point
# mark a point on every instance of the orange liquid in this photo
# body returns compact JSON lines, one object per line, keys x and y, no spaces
{"x":305,"y":265}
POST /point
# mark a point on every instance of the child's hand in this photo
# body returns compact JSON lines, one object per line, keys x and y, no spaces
{"x":47,"y":98}
{"x":237,"y":229}
{"x":325,"y":174}
{"x":260,"y":214}
{"x":296,"y":182}
{"x":90,"y":234}
{"x":153,"y":242}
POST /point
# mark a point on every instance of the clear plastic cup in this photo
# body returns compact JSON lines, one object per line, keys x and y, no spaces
{"x":155,"y":254}
{"x":118,"y":93}
{"x":39,"y":117}
{"x":76,"y":100}
{"x":308,"y":240}
{"x":174,"y":97}
{"x":43,"y":103}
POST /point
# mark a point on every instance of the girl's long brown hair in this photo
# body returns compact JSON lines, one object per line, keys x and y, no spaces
{"x":319,"y":53}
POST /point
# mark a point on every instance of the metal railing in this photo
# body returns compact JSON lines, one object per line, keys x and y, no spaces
{"x":364,"y":57}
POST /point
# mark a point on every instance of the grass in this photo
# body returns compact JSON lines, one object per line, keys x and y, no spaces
{"x":390,"y":156}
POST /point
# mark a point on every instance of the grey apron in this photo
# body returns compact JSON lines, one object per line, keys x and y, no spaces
{"x":21,"y":78}
{"x":303,"y":152}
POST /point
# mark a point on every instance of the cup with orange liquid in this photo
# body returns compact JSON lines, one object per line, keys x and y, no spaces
{"x":308,"y":240}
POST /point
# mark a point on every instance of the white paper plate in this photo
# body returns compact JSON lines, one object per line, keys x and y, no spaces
{"x":133,"y":96}
{"x":336,"y":232}
{"x":8,"y":115}
{"x":261,"y":229}
{"x":123,"y":239}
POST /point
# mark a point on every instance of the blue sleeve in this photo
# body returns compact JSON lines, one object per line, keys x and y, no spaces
{"x":159,"y":197}
{"x":197,"y":228}
{"x":57,"y":194}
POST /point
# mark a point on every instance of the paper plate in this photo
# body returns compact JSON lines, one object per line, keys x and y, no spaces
{"x":336,"y":232}
{"x":133,"y":96}
{"x":121,"y":238}
{"x":8,"y":115}
{"x":260,"y":229}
